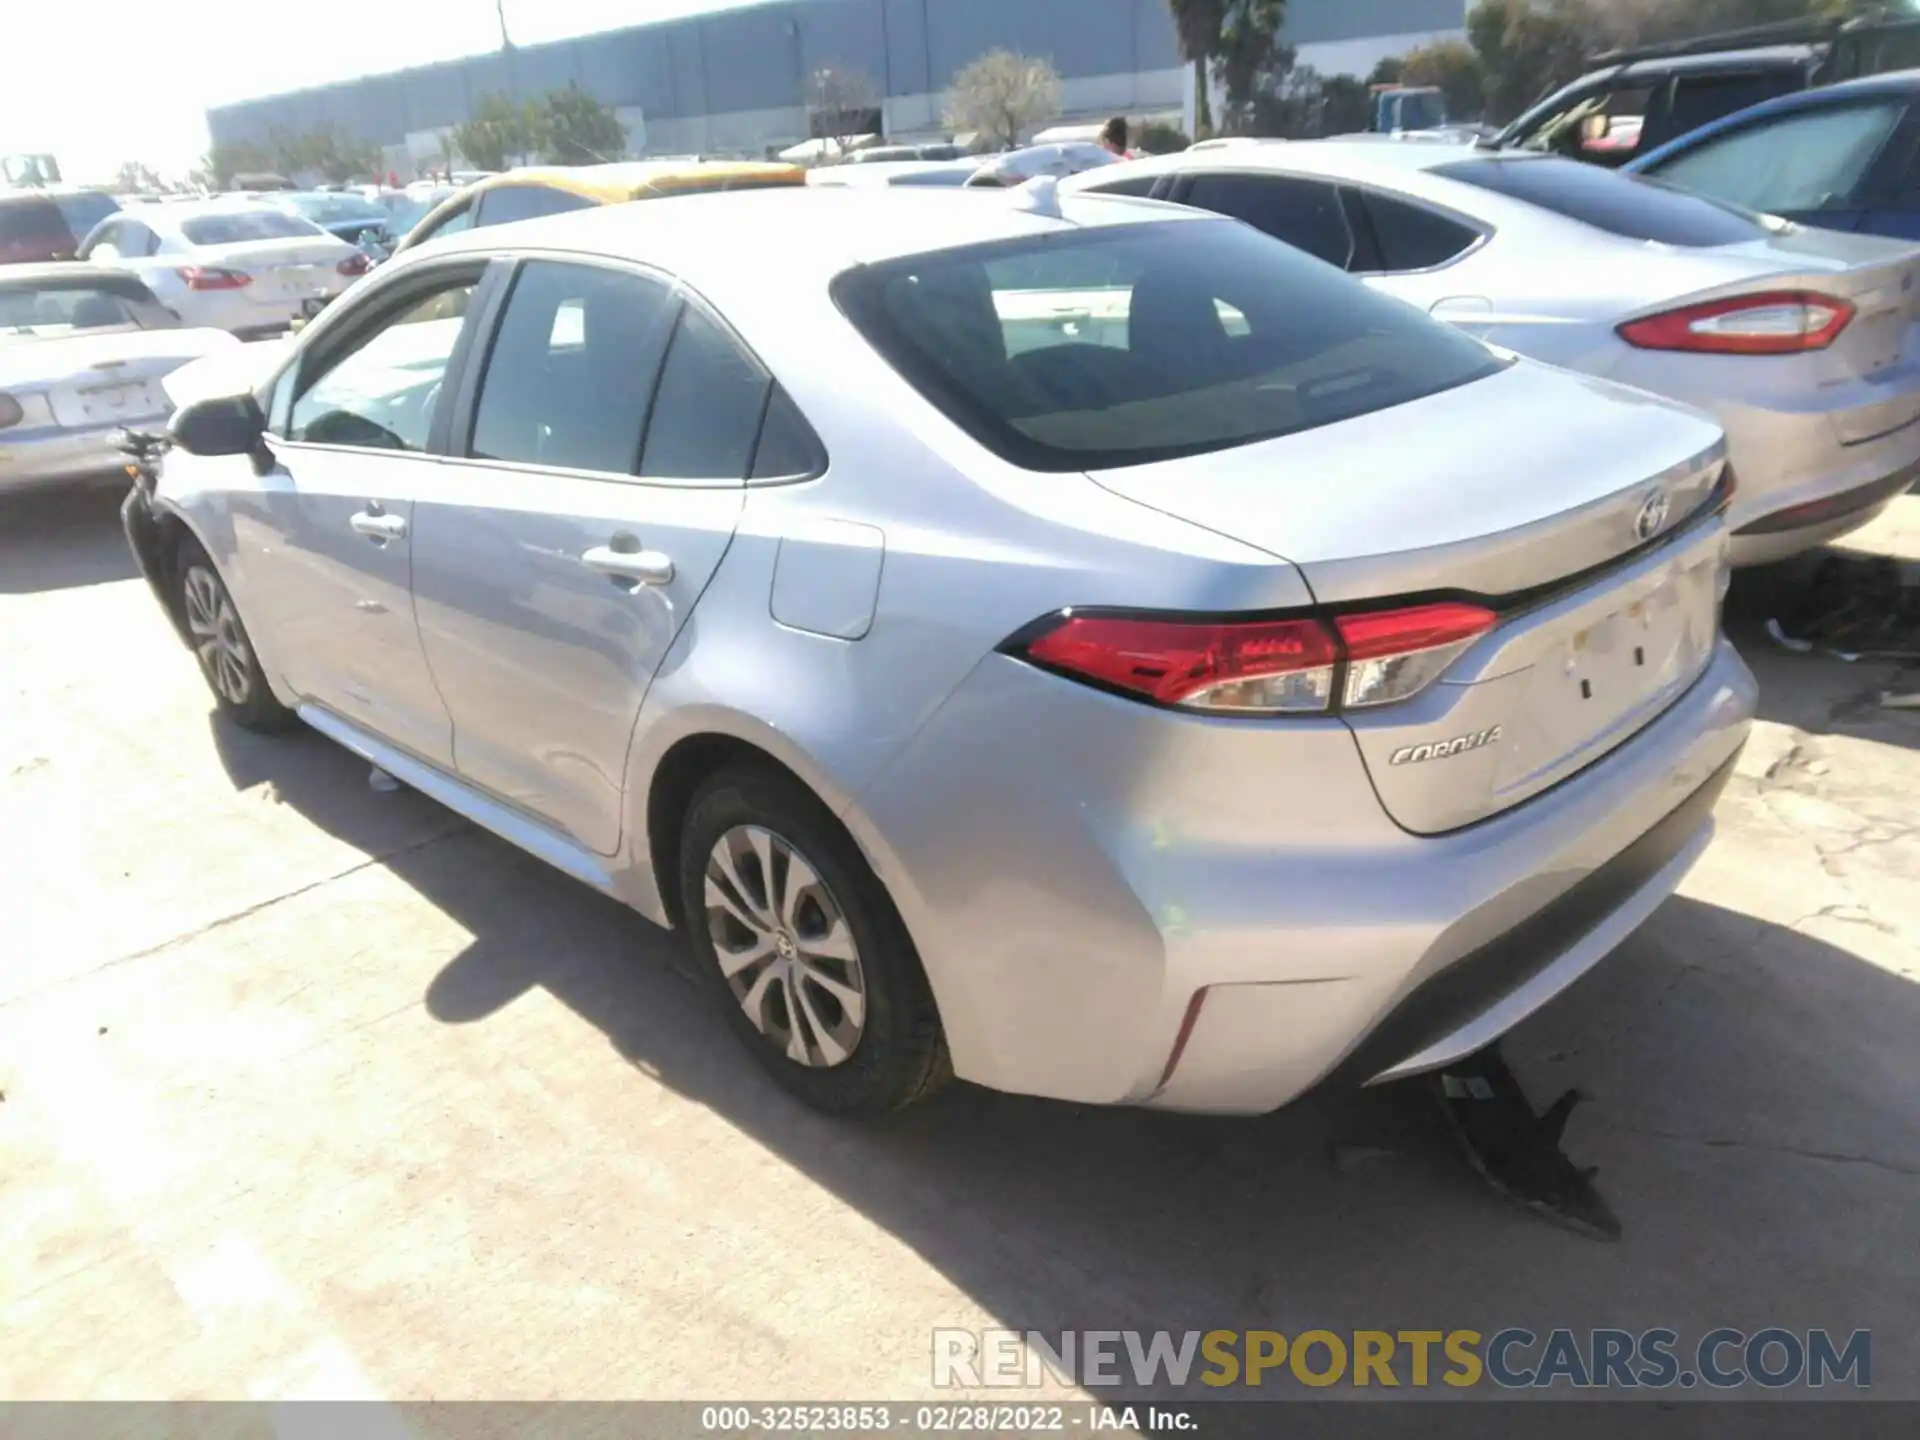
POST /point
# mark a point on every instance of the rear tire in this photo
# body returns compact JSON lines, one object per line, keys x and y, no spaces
{"x":228,"y":662}
{"x":799,"y":944}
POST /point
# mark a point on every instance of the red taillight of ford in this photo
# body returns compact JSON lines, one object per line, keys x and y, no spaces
{"x":1783,"y":322}
{"x":1297,"y":666}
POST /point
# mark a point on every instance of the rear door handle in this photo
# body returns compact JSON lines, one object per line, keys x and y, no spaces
{"x":376,"y":526}
{"x":649,"y":567}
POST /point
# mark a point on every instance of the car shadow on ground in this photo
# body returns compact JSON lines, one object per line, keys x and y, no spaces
{"x":54,"y":539}
{"x":1709,"y":1042}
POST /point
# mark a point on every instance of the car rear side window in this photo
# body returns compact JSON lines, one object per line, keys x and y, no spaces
{"x":572,"y":366}
{"x":1410,"y":236}
{"x":706,"y":413}
{"x":1137,"y":185}
{"x":1607,"y":200}
{"x":788,"y":448}
{"x":1306,"y":214}
{"x":1126,"y":344}
{"x":1805,"y":161}
{"x":507,"y":203}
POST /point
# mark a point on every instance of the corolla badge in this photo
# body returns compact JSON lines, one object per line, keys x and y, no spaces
{"x":1441,"y":749}
{"x":1652,"y":516}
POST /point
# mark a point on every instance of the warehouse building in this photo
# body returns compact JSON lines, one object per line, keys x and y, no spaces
{"x":734,"y":81}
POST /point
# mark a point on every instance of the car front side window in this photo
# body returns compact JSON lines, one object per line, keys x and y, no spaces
{"x":1305,"y":214}
{"x":380,"y":393}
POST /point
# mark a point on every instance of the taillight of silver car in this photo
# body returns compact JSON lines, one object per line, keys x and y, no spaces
{"x":1781,"y":322}
{"x":1298,"y":666}
{"x":213,"y":277}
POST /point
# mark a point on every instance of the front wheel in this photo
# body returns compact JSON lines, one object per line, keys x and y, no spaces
{"x":800,"y":945}
{"x":220,"y":643}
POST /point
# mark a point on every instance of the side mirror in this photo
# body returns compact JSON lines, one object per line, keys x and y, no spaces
{"x":219,"y":425}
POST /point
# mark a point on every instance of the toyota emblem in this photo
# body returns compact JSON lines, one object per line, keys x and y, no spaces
{"x":1653,"y":515}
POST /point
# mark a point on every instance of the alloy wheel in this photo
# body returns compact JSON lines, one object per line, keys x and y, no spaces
{"x":217,"y":637}
{"x":784,"y":947}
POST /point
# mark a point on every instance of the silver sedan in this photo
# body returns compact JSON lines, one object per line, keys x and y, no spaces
{"x":84,"y":354}
{"x":1801,"y":343}
{"x":1084,"y":647}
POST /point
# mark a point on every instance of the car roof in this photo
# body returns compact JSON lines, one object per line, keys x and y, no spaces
{"x":1763,"y":57}
{"x":1894,"y":83}
{"x":805,"y":234}
{"x":630,"y":179}
{"x":1353,"y":158}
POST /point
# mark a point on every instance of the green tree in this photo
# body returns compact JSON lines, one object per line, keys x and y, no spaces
{"x":578,"y":130}
{"x":1387,"y":71}
{"x":1250,"y":59}
{"x":1528,"y":47}
{"x":1003,"y":96}
{"x":1196,"y":26}
{"x":235,"y":157}
{"x":1346,"y":105}
{"x":500,"y":132}
{"x":1451,"y":67}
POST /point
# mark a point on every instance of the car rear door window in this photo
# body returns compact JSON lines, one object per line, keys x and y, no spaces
{"x":1607,"y":200}
{"x":507,"y":203}
{"x":707,"y":411}
{"x":381,"y":393}
{"x":788,"y":448}
{"x":1306,"y":214}
{"x":1804,"y":161}
{"x":1409,"y":236}
{"x":572,"y":368}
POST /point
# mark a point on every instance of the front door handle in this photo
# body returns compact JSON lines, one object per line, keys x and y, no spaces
{"x":377,"y":526}
{"x":649,"y":567}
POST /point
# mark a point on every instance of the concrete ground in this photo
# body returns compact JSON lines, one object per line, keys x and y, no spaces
{"x":311,"y":1090}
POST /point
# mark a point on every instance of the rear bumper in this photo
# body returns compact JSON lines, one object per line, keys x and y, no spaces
{"x":1787,"y":531}
{"x":50,"y":456}
{"x":1115,"y":905}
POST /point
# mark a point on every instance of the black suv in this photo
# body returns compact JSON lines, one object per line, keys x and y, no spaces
{"x":1634,"y":101}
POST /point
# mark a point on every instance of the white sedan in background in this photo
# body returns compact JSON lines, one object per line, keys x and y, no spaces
{"x":1802,"y":343}
{"x":240,"y":266}
{"x":84,"y":353}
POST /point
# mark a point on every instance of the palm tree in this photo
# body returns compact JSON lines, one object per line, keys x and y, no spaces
{"x":1197,"y":24}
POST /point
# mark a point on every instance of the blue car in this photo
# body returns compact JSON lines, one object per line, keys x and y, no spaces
{"x":1843,"y":157}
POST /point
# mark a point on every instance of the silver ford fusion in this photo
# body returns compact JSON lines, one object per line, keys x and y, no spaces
{"x":1078,"y":645}
{"x":1802,"y":343}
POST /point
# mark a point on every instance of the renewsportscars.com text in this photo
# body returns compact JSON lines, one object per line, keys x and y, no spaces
{"x":1512,"y":1359}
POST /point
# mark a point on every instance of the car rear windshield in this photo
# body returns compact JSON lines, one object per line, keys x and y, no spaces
{"x":1125,"y":344}
{"x":1607,"y":200}
{"x":236,"y":226}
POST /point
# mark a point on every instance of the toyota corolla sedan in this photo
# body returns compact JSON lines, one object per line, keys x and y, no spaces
{"x":1076,"y":644}
{"x":1801,"y":342}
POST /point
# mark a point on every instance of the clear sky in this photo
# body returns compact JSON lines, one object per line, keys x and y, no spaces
{"x":98,"y":82}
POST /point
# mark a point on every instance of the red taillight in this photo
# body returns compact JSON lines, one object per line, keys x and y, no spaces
{"x":1782,"y":322}
{"x":355,"y":264}
{"x":1257,"y":665}
{"x":1261,"y":666}
{"x":212,"y":277}
{"x":1394,"y":654}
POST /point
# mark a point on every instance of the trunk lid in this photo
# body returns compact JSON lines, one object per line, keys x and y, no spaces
{"x":283,"y":269}
{"x":105,"y":377}
{"x":1535,"y":490}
